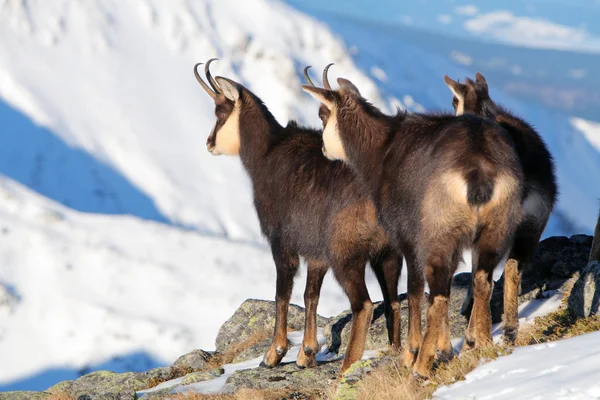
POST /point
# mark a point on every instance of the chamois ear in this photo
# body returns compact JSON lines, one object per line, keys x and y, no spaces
{"x":324,"y":96}
{"x":458,"y":89}
{"x":230,"y":89}
{"x":345,"y":84}
{"x":481,"y":82}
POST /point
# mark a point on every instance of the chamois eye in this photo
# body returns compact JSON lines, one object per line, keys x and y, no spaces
{"x":220,"y":115}
{"x":454,"y":102}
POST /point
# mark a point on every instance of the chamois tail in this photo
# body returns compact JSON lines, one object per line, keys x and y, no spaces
{"x":480,"y":187}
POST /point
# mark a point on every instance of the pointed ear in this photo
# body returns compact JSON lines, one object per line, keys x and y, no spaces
{"x":324,"y":96}
{"x":481,"y":82}
{"x":458,"y":89}
{"x":230,"y":89}
{"x":345,"y":84}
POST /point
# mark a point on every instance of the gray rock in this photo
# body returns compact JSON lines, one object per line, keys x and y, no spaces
{"x":255,"y":316}
{"x":253,"y":351}
{"x":105,"y":385}
{"x":202,"y":376}
{"x":288,"y":376}
{"x":24,"y":396}
{"x":584,"y":300}
{"x":64,"y":387}
{"x":194,"y":360}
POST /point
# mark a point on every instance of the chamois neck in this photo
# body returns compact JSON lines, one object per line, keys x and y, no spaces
{"x":365,"y":143}
{"x":258,"y":130}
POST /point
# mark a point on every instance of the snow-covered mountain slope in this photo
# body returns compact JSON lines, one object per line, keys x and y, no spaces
{"x":566,"y":369}
{"x":100,"y":113}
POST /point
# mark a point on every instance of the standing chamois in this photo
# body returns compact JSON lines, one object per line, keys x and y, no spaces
{"x":540,"y":189}
{"x":440,"y":184}
{"x":307,"y":206}
{"x":595,"y":253}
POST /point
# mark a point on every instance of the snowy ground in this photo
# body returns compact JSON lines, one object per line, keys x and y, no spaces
{"x":566,"y":369}
{"x":123,"y":243}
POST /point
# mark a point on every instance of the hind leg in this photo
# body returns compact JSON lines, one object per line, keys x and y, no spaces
{"x":416,"y":289}
{"x":351,"y":277}
{"x":287,"y":264}
{"x":438,"y":272}
{"x":387,"y":268}
{"x":316,"y":271}
{"x":446,"y":352}
{"x":524,"y":246}
{"x":488,"y":252}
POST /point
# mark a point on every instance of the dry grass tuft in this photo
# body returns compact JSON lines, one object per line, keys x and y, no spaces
{"x":395,"y":383}
{"x":560,"y":324}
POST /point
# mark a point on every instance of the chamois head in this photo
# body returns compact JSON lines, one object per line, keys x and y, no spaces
{"x":345,"y":104}
{"x":470,"y":97}
{"x":225,"y":135}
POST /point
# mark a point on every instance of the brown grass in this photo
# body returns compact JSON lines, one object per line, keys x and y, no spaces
{"x":394,"y":382}
{"x":560,"y":324}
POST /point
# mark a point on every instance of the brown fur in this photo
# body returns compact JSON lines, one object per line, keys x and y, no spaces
{"x":311,"y":207}
{"x":540,"y":189}
{"x":512,"y":279}
{"x":440,"y":184}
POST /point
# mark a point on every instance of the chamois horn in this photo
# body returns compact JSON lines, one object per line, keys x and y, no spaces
{"x":212,"y":94}
{"x":326,"y":84}
{"x":209,"y":77}
{"x":308,"y":80}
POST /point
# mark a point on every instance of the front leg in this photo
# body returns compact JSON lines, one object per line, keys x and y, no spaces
{"x":307,"y":357}
{"x":387,"y":268}
{"x":287,"y":264}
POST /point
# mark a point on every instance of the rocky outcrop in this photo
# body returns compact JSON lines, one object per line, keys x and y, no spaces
{"x":256,"y":316}
{"x":584,"y":300}
{"x":558,"y":265}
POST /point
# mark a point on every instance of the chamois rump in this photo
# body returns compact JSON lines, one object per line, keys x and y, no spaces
{"x":440,"y":184}
{"x":540,"y":189}
{"x":307,"y":206}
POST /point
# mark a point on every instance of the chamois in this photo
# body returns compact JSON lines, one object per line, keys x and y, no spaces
{"x":440,"y":184}
{"x":540,"y":189}
{"x":595,"y":253}
{"x":307,"y":206}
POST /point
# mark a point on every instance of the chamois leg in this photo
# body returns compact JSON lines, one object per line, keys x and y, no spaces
{"x":446,"y":352}
{"x":488,"y":252}
{"x":351,"y":276}
{"x":387,"y":268}
{"x":310,"y":346}
{"x":416,"y":289}
{"x":438,"y":272}
{"x":524,"y":245}
{"x":287,"y":264}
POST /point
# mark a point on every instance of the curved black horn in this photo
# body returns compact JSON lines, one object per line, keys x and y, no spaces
{"x":209,"y":77}
{"x":326,"y":84}
{"x":212,"y":94}
{"x":308,"y":77}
